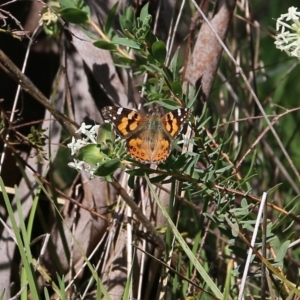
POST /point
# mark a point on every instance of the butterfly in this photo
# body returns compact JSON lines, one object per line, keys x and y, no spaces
{"x":148,"y":138}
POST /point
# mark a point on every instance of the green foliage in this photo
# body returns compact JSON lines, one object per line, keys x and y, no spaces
{"x":91,"y":154}
{"x":128,"y":21}
{"x":76,"y":12}
{"x":126,"y":43}
{"x":108,"y":168}
{"x":37,"y":139}
{"x":105,"y":45}
{"x":23,"y":243}
{"x":74,"y":15}
{"x":30,"y":265}
{"x":159,"y":51}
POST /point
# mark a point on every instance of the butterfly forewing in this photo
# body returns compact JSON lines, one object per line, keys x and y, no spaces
{"x":174,"y":121}
{"x":126,"y":121}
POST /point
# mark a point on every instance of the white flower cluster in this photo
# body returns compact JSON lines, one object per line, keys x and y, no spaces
{"x":91,"y":133}
{"x":91,"y":137}
{"x":288,"y":38}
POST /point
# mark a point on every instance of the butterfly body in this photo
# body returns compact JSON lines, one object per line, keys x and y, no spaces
{"x":148,"y":138}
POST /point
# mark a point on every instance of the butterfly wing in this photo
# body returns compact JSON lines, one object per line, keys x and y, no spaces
{"x":126,"y":121}
{"x":174,"y":121}
{"x":148,"y":139}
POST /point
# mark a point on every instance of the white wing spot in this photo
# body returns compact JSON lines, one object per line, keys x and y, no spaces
{"x":119,"y":111}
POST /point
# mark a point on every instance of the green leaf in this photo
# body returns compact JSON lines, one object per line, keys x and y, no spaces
{"x":179,"y":162}
{"x":74,"y":15}
{"x":46,"y":294}
{"x":67,"y":3}
{"x":152,"y":81}
{"x":21,"y":241}
{"x":90,"y":154}
{"x":131,"y":182}
{"x":80,"y":4}
{"x":158,"y":179}
{"x":168,"y":76}
{"x":110,"y":19}
{"x":142,"y":29}
{"x":174,"y":64}
{"x":235,"y":229}
{"x":177,"y":89}
{"x":75,"y":4}
{"x":126,"y":42}
{"x":166,"y":103}
{"x":105,"y":133}
{"x":159,"y":51}
{"x":140,"y":172}
{"x":136,"y":172}
{"x":127,"y":20}
{"x":154,"y":96}
{"x":150,"y":38}
{"x":224,"y":169}
{"x":108,"y":168}
{"x":62,"y":286}
{"x":144,"y":12}
{"x":282,"y":252}
{"x":123,"y":60}
{"x":105,"y":45}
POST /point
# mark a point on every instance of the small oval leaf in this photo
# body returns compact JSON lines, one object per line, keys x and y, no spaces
{"x":105,"y":133}
{"x":144,"y":12}
{"x":90,"y":154}
{"x":126,"y":42}
{"x":104,"y":45}
{"x":158,"y":179}
{"x":110,"y":18}
{"x":108,"y":168}
{"x":74,"y":15}
{"x":159,"y":51}
{"x":177,"y":89}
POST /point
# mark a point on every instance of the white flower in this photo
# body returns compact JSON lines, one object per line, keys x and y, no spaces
{"x":76,"y":145}
{"x":91,"y":135}
{"x":288,"y":39}
{"x":82,"y":166}
{"x":77,"y":165}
